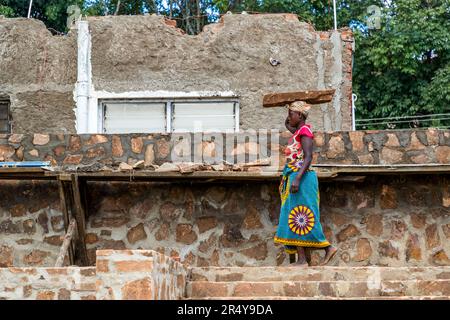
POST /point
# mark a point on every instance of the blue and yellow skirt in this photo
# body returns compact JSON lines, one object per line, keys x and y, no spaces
{"x":299,"y":223}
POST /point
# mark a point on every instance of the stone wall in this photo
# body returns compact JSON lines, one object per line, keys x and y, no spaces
{"x":71,"y":283}
{"x":147,"y":54}
{"x":341,"y":147}
{"x":392,"y":220}
{"x":139,"y":275}
{"x":119,"y":275}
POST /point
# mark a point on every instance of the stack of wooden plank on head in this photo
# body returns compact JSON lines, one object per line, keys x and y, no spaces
{"x":310,"y":96}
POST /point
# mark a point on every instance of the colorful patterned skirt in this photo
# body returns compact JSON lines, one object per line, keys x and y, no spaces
{"x":299,"y":223}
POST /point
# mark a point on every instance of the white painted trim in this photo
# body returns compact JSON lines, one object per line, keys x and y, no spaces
{"x":84,"y":76}
{"x":164,"y":94}
{"x":236,"y":116}
{"x":169,"y":116}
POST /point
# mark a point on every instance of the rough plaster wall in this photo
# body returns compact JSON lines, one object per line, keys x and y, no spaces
{"x":38,"y":73}
{"x":144,"y":53}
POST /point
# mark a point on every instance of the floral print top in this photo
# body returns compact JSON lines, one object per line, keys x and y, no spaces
{"x":294,"y":151}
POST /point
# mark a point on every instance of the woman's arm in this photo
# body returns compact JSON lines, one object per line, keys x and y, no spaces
{"x":307,"y":145}
{"x":291,"y":129}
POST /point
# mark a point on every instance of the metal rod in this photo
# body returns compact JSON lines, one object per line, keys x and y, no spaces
{"x":334,"y":11}
{"x":29,"y":9}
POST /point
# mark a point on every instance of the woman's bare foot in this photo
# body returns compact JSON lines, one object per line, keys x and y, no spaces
{"x":330,"y":253}
{"x":308,"y":255}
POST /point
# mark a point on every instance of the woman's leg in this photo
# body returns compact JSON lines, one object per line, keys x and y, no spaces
{"x":308,"y":255}
{"x":330,"y":251}
{"x":301,"y":262}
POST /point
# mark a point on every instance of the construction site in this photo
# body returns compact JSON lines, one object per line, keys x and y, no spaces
{"x":139,"y":162}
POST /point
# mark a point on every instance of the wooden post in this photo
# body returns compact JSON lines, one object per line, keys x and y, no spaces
{"x":66,"y":243}
{"x":80,"y":217}
{"x":65,"y":204}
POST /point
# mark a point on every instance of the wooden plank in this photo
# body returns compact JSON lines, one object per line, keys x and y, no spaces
{"x":66,"y":243}
{"x":21,"y":170}
{"x":346,"y":178}
{"x":310,"y":96}
{"x":65,"y":204}
{"x":80,"y":218}
{"x":83,"y":193}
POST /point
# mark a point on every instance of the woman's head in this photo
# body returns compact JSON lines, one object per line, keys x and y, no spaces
{"x":297,"y":112}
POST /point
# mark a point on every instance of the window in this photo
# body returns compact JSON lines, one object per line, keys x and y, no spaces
{"x":189,"y":115}
{"x":4,"y":116}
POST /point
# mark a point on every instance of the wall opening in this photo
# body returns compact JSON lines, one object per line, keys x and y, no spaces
{"x":168,"y":115}
{"x":5,"y":115}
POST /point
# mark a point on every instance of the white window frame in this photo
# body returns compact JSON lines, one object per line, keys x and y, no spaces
{"x":169,"y":108}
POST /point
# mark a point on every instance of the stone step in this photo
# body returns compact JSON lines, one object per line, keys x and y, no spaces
{"x":271,"y":274}
{"x":326,"y":298}
{"x":203,"y":289}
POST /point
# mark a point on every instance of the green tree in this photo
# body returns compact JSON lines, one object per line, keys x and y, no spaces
{"x":403,"y":69}
{"x":52,"y":12}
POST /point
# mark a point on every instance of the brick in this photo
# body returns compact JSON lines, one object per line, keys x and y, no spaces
{"x":96,"y":138}
{"x":206,"y":223}
{"x":18,"y":210}
{"x":386,"y":249}
{"x":433,"y":288}
{"x":163,"y":148}
{"x":40,"y":139}
{"x":349,"y":232}
{"x":6,"y":152}
{"x":209,"y":289}
{"x":57,"y":271}
{"x":74,"y":143}
{"x":440,"y":258}
{"x":163,"y":232}
{"x":388,"y":198}
{"x":27,"y":291}
{"x":363,"y":250}
{"x":252,"y":219}
{"x":6,"y":256}
{"x":102,"y":265}
{"x":134,"y":266}
{"x":45,"y":295}
{"x":260,"y":289}
{"x":335,"y":147}
{"x":418,"y":220}
{"x":356,"y":137}
{"x":413,"y":250}
{"x":185,"y":234}
{"x":36,"y":257}
{"x":258,"y":252}
{"x":390,"y":156}
{"x":392,"y":140}
{"x":73,"y":159}
{"x":138,"y":290}
{"x":63,"y":294}
{"x":95,"y":152}
{"x":432,"y":236}
{"x":136,"y":233}
{"x":136,"y":145}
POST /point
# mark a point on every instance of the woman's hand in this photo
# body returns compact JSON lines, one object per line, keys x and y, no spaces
{"x":288,"y":126}
{"x":295,"y":184}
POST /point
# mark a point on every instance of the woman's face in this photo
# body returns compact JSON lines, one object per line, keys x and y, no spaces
{"x":294,"y":118}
